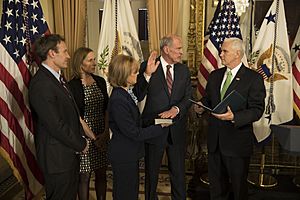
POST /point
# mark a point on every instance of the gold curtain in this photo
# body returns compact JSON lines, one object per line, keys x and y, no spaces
{"x":163,"y":20}
{"x":70,"y":22}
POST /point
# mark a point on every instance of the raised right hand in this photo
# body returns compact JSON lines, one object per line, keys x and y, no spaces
{"x":151,"y":64}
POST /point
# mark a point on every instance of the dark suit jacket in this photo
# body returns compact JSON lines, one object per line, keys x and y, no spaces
{"x":58,"y":133}
{"x":159,"y":100}
{"x":127,"y":142}
{"x":235,"y":139}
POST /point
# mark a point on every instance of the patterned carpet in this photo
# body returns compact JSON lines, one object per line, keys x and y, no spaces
{"x":163,"y":188}
{"x":285,"y":190}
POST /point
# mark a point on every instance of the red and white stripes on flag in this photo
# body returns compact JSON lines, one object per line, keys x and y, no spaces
{"x":225,"y":24}
{"x":295,"y":55}
{"x":21,"y":23}
{"x":296,"y":83}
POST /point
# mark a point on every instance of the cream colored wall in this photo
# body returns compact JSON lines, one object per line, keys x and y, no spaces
{"x":210,"y":10}
{"x":135,"y":6}
{"x":93,"y":21}
{"x":1,"y":5}
{"x":93,"y":7}
{"x":1,"y":2}
{"x":47,"y":7}
{"x":184,"y":25}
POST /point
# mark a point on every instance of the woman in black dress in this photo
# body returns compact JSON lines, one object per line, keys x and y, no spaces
{"x":91,"y":97}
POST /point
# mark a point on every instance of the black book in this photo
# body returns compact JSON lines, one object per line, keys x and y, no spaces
{"x":234,"y":100}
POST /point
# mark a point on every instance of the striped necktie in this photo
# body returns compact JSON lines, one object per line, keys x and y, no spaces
{"x":169,"y":79}
{"x":62,"y":81}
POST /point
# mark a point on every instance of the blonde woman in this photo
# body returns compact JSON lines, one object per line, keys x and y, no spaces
{"x":126,"y":146}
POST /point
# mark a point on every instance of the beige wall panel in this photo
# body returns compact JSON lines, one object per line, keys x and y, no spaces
{"x":47,"y":7}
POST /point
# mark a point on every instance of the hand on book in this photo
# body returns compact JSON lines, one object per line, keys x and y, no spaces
{"x":163,"y":122}
{"x":172,"y":113}
{"x":228,"y":116}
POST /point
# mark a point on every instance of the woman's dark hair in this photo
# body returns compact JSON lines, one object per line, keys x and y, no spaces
{"x":78,"y":57}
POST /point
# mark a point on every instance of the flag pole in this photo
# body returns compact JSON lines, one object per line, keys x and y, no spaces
{"x":115,"y":50}
{"x":261,"y":179}
{"x":251,"y":23}
{"x":271,"y":105}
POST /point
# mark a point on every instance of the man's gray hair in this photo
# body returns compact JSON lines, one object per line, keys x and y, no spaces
{"x":166,"y":41}
{"x":237,"y":44}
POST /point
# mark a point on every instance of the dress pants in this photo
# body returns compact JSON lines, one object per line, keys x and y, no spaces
{"x":125,"y":181}
{"x":225,"y":169}
{"x":62,"y":185}
{"x":153,"y":158}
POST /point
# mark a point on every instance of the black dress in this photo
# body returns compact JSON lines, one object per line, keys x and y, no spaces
{"x":94,"y":158}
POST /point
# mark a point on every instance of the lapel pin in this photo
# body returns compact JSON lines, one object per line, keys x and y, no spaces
{"x":237,"y":79}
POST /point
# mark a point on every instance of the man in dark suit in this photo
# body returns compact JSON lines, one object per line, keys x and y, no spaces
{"x":168,"y":91}
{"x":58,"y":133}
{"x":230,"y":135}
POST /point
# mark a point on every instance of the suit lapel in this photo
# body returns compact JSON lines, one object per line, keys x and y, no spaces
{"x":59,"y":85}
{"x":236,"y":80}
{"x":127,"y":97}
{"x":219,"y":81}
{"x":176,"y":78}
{"x":54,"y":80}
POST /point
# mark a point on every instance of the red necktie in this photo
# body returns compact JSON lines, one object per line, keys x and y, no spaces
{"x":169,"y":79}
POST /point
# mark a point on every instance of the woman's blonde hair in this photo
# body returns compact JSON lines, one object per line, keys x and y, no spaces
{"x":120,"y":68}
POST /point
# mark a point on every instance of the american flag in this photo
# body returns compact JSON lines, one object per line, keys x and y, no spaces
{"x":296,"y":83}
{"x":21,"y":23}
{"x":225,"y":24}
{"x":295,"y":55}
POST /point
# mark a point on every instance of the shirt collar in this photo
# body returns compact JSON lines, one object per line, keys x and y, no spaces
{"x":164,"y":62}
{"x":235,"y":70}
{"x":52,"y":71}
